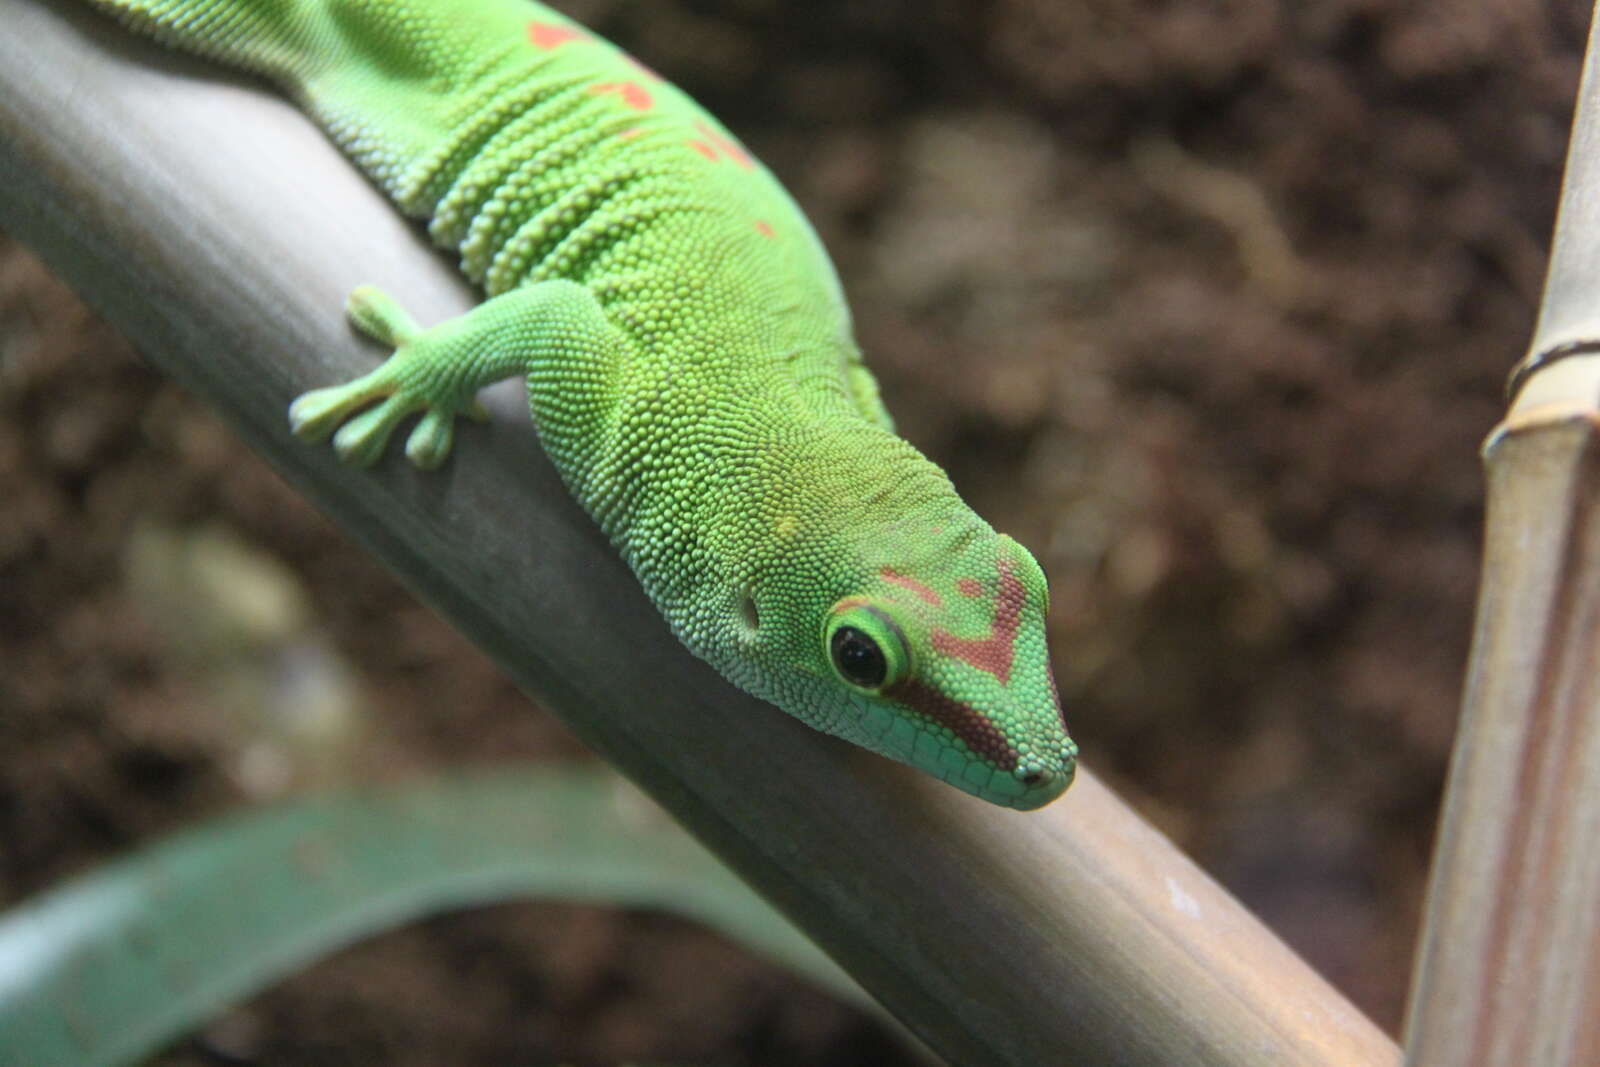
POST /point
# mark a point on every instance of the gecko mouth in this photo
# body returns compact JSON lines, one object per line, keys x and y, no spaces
{"x":1051,"y":784}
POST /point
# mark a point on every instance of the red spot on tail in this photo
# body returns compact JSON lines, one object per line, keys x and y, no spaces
{"x":889,"y":574}
{"x":764,"y":228}
{"x":995,"y":652}
{"x":632,"y":94}
{"x":548,"y":36}
{"x":969,"y":587}
{"x":704,"y":149}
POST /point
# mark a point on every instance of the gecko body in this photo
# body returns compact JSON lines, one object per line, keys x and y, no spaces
{"x":690,"y":364}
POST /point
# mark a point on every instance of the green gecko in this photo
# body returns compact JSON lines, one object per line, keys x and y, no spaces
{"x":690,"y":365}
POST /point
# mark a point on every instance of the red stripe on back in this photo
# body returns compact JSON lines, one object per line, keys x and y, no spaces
{"x":547,"y":35}
{"x":632,"y":94}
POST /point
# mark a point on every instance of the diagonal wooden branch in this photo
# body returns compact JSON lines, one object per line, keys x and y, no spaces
{"x":218,"y":229}
{"x":1509,"y":968}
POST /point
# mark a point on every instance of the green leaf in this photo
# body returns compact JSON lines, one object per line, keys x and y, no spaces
{"x":113,"y":964}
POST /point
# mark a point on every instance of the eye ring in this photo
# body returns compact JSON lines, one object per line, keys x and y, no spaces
{"x":865,"y":646}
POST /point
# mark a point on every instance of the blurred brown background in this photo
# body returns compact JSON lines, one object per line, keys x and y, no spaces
{"x":1209,"y":303}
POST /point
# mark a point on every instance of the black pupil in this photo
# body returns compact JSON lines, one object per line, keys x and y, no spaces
{"x":858,"y":657}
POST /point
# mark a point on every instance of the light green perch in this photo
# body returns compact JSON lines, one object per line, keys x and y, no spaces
{"x":690,"y":368}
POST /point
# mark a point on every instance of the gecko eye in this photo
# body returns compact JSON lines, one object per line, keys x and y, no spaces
{"x":858,"y":657}
{"x":865,"y":645}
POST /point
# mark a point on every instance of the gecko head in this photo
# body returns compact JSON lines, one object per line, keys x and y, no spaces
{"x":940,"y":661}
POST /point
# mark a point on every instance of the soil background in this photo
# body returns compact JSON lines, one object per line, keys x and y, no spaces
{"x":1211,"y":304}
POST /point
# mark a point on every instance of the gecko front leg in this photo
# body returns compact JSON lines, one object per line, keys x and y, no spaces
{"x":438,"y":371}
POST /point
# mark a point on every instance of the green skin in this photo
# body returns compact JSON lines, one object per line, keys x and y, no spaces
{"x":690,"y":368}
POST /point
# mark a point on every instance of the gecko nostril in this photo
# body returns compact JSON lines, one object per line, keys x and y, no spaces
{"x":1033,"y":778}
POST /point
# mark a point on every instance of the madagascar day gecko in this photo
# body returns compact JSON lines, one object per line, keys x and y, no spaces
{"x":690,"y":366}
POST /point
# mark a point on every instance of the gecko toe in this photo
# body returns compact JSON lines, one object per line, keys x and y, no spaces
{"x":315,"y":414}
{"x":430,"y":442}
{"x":380,"y":316}
{"x":362,"y":440}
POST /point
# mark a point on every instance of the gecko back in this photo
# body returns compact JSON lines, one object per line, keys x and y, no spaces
{"x":510,"y":127}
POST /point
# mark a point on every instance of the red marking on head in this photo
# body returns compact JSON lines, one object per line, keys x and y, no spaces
{"x":547,"y":35}
{"x":995,"y":652}
{"x":703,"y":148}
{"x":894,"y":577}
{"x":630,"y":133}
{"x":724,"y":144}
{"x":969,"y":587}
{"x":966,"y":722}
{"x":764,"y":228}
{"x":632,"y":94}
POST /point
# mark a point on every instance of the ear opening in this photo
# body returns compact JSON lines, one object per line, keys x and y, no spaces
{"x":749,"y":614}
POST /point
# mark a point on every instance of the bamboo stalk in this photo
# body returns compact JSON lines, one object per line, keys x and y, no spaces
{"x":1508,"y":972}
{"x":216,"y":227}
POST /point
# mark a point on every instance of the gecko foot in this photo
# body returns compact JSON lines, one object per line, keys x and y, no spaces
{"x":417,"y":377}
